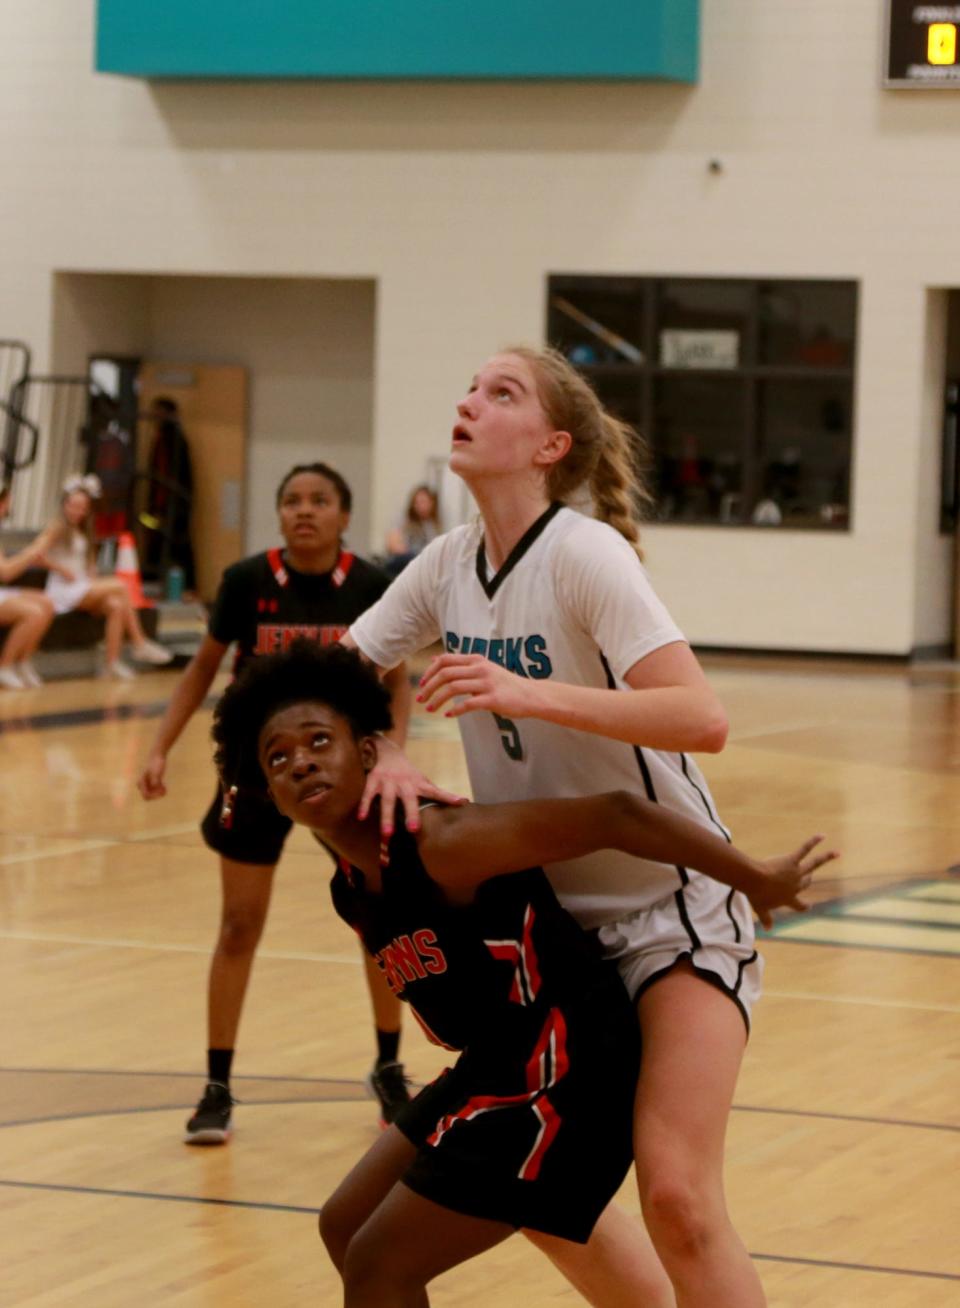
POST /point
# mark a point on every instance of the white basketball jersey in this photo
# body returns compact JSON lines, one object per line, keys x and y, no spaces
{"x":572,"y":602}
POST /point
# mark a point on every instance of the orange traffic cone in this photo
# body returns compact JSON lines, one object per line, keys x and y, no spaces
{"x":128,"y":570}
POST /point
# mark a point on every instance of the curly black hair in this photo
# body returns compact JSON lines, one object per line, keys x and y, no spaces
{"x":307,"y":673}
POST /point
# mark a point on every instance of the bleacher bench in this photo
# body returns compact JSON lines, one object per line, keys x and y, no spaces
{"x":77,"y":630}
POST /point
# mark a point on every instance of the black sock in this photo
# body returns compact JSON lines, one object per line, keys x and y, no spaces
{"x":218,"y":1065}
{"x":388,"y":1046}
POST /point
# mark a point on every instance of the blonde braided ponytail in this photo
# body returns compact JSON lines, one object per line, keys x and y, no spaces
{"x":606,"y":456}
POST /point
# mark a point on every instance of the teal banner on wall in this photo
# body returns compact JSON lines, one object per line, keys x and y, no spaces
{"x":492,"y":39}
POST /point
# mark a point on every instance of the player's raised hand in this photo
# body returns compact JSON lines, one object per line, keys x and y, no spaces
{"x":477,"y":684}
{"x":395,"y":780}
{"x":787,"y":877}
{"x":150,"y":782}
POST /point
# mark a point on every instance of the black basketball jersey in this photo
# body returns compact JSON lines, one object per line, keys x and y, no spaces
{"x":533,"y":1124}
{"x":264,"y":605}
{"x":475,"y":976}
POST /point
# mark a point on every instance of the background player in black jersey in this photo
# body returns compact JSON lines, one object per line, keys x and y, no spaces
{"x":312,"y":587}
{"x":532,"y":1127}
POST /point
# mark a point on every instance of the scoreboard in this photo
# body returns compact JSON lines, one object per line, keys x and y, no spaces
{"x":923,"y":44}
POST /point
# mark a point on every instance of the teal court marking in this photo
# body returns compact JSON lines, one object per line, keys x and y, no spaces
{"x":914,"y":917}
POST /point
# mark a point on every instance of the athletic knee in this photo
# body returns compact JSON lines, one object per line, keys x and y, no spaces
{"x":240,"y":931}
{"x":361,"y":1267}
{"x":682,"y":1216}
{"x":336,"y":1232}
{"x":371,"y":1276}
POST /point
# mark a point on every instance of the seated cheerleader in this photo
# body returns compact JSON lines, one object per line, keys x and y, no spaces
{"x":531,"y":1127}
{"x":28,"y":613}
{"x":72,"y":582}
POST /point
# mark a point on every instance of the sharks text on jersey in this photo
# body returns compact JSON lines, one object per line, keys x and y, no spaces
{"x":525,"y":655}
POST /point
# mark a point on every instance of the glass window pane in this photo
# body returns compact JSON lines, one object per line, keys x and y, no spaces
{"x":805,"y":427}
{"x":703,"y":324}
{"x":621,"y":393}
{"x":597,"y":319}
{"x":807,"y":324}
{"x":698,"y":443}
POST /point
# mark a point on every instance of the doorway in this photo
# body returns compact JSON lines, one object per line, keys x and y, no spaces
{"x":306,"y":346}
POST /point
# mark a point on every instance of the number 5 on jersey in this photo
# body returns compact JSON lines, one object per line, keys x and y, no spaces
{"x":509,"y":737}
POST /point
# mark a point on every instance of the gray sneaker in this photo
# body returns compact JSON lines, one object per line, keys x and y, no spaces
{"x":390,"y":1086}
{"x":210,"y":1123}
{"x":151,"y":652}
{"x":118,"y":672}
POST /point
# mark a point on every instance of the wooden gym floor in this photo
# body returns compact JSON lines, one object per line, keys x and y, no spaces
{"x":844,"y":1146}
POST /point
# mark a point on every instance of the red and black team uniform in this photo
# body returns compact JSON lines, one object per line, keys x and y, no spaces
{"x":532,"y":1125}
{"x":264,"y":605}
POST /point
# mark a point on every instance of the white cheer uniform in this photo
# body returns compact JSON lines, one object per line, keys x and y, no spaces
{"x":574,"y":603}
{"x":74,"y":553}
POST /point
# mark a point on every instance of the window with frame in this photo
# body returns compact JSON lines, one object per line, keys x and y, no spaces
{"x":742,"y":389}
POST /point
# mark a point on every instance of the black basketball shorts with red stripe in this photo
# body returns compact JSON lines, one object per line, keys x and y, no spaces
{"x":539,"y":1137}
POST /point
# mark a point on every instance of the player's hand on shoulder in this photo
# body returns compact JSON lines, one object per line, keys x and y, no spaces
{"x":787,"y":877}
{"x":399,"y":785}
{"x":150,"y":782}
{"x":476,"y":683}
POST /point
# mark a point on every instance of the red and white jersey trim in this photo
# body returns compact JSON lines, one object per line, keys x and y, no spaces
{"x":282,"y":577}
{"x":523,"y":954}
{"x":547,"y":1064}
{"x":275,"y":559}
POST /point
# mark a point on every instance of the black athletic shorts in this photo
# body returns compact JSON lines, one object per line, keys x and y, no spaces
{"x":256,"y":835}
{"x":550,"y":1162}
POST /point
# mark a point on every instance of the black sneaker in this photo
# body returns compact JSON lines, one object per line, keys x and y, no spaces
{"x":210,"y":1124}
{"x":389,"y":1084}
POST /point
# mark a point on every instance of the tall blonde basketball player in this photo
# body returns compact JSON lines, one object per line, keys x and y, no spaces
{"x":568,"y":676}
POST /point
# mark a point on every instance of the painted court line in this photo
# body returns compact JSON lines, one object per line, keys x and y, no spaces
{"x":254,"y":1081}
{"x":846,"y":930}
{"x":164,"y":1198}
{"x":906,"y":910}
{"x":940,"y":892}
{"x":289,"y":956}
{"x":251,"y":1105}
{"x":857,"y":1267}
{"x":157,"y":833}
{"x":88,"y":845}
{"x":152,"y":946}
{"x":919,"y":1273}
{"x":68,"y":847}
{"x":103,"y":1114}
{"x":858,"y":1001}
{"x":856,"y":1119}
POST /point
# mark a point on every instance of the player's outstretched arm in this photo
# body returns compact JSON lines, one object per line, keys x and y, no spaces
{"x":465,"y":846}
{"x":188,"y":695}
